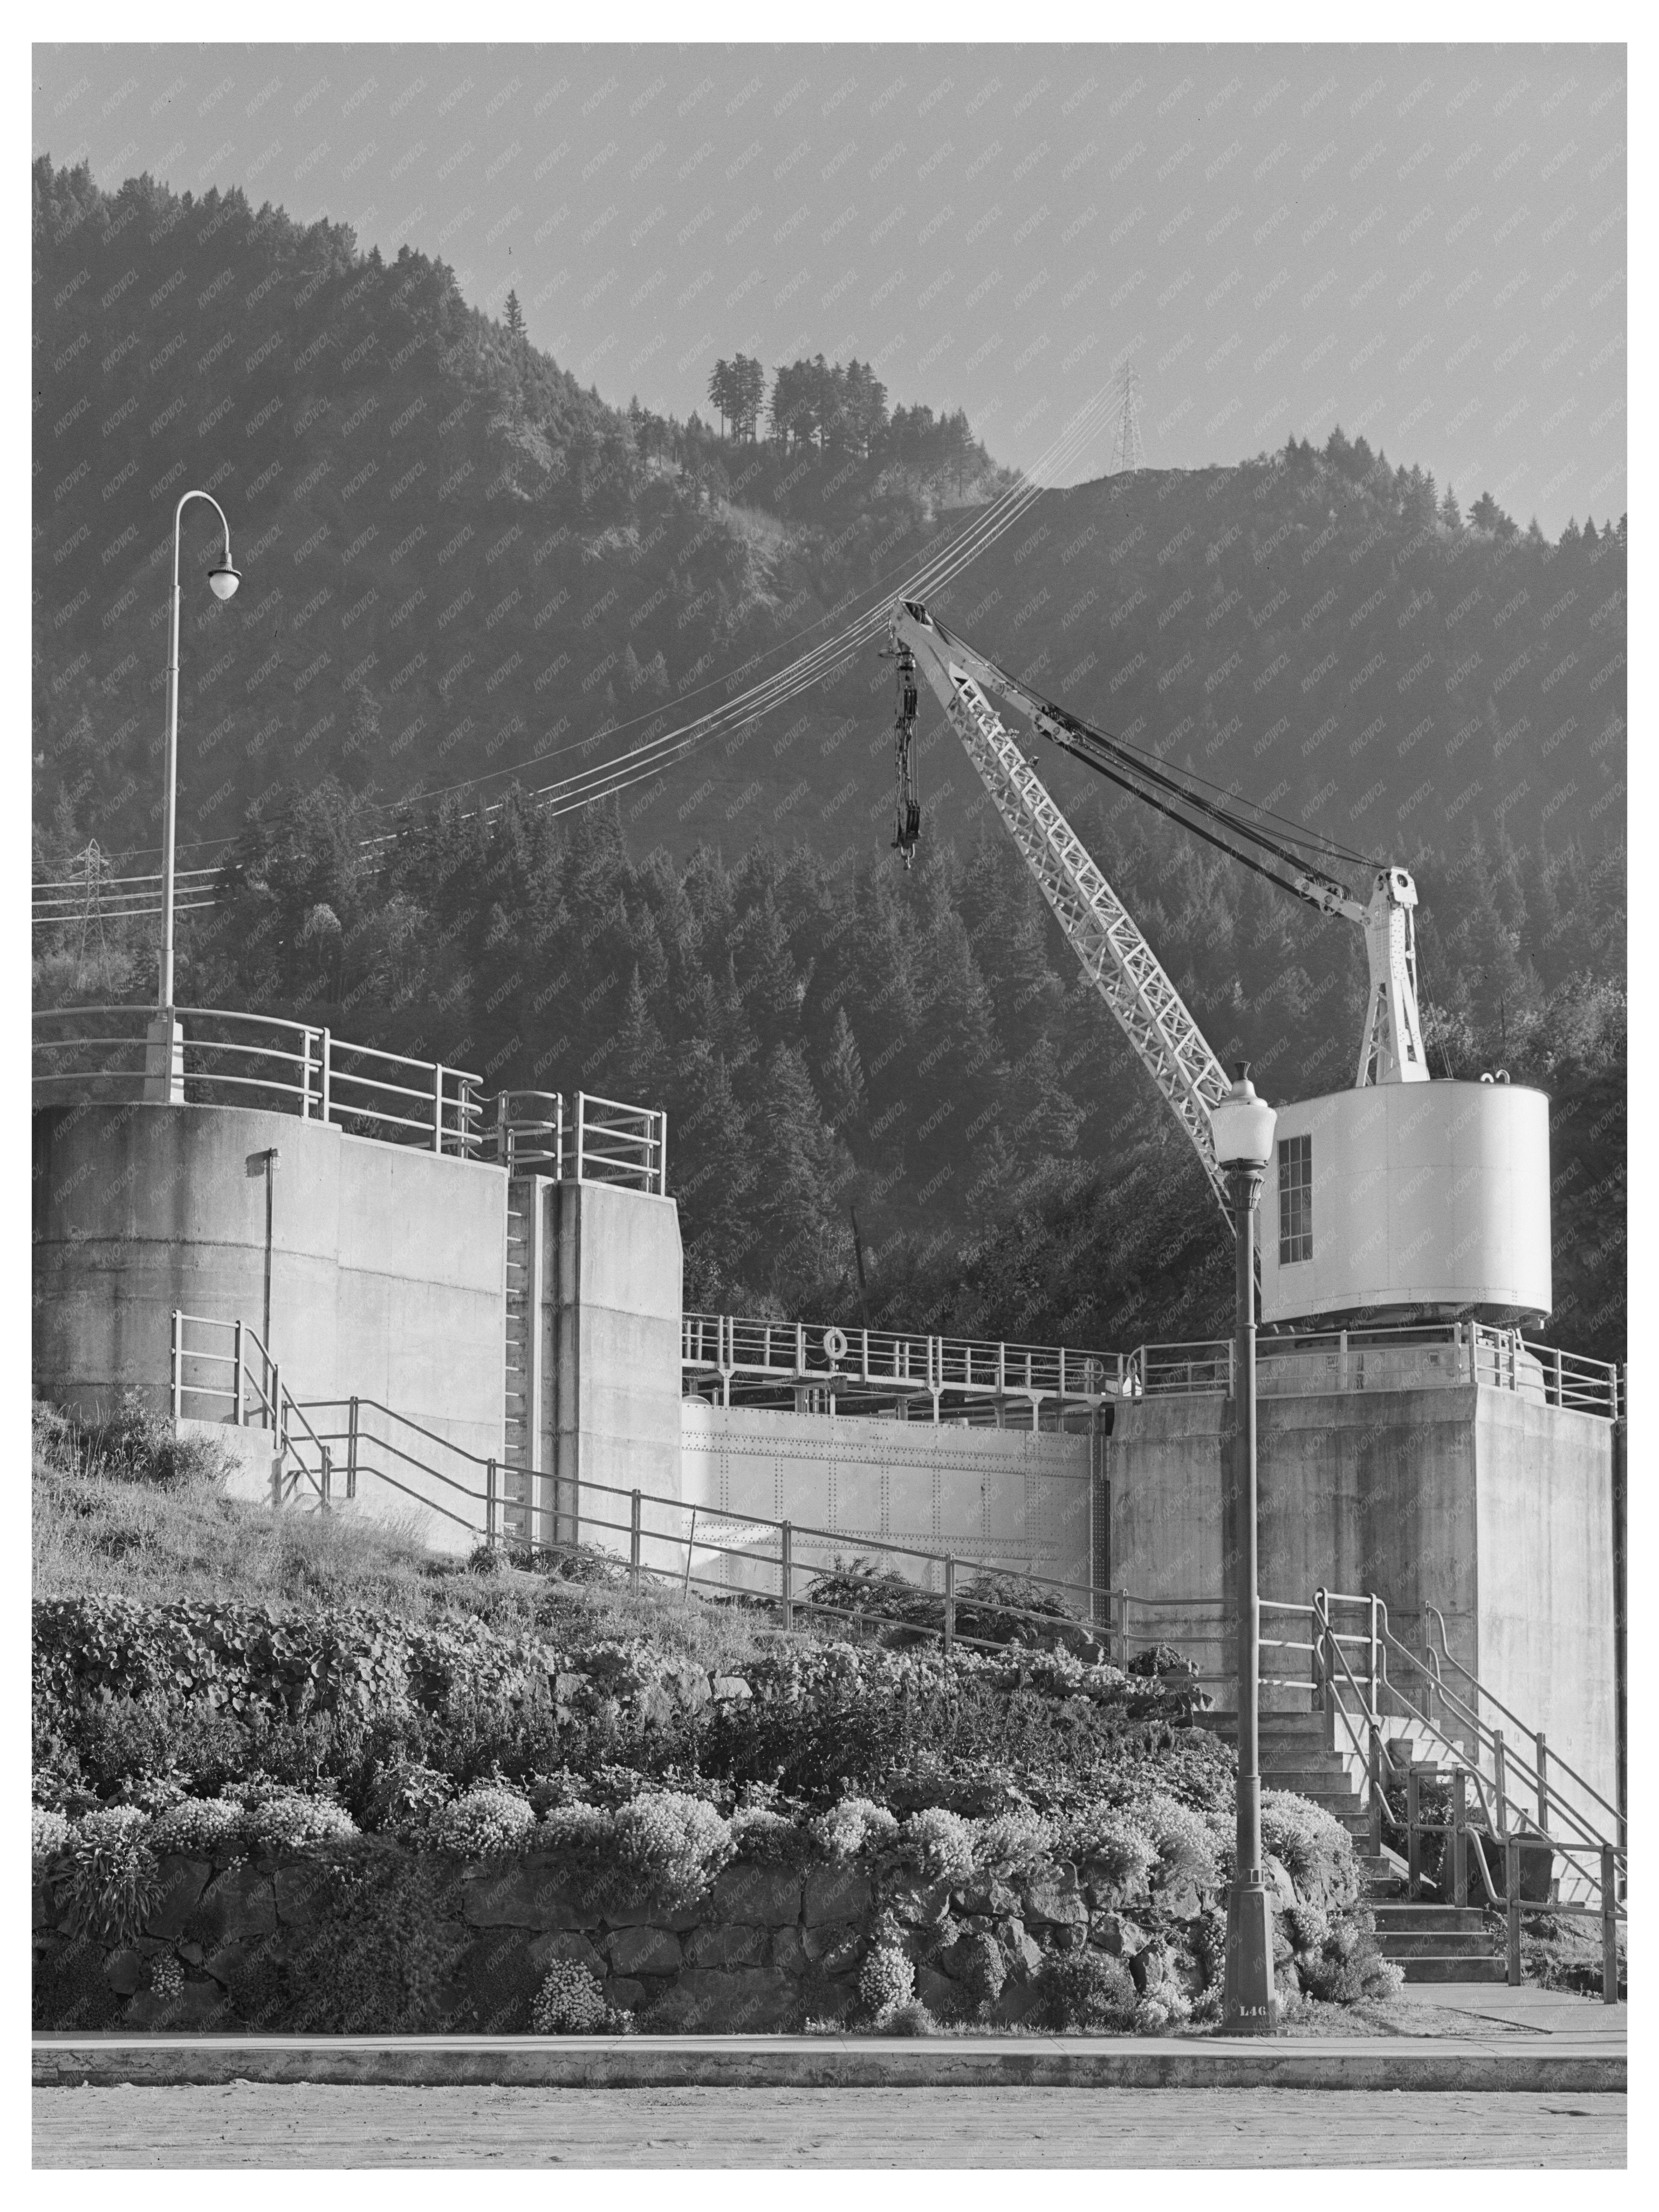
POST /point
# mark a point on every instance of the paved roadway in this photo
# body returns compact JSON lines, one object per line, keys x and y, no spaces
{"x":285,"y":2125}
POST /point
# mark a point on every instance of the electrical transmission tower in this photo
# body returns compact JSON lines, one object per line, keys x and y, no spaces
{"x":1128,"y":452}
{"x":88,"y":870}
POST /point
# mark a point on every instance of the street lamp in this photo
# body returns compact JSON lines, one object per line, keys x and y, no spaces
{"x":1243,"y":1126}
{"x":164,"y":1058}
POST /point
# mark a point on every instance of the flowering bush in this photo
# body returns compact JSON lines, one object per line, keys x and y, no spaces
{"x":670,"y":1846}
{"x":111,"y":1878}
{"x":1306,"y":1927}
{"x":1013,"y":1842}
{"x":49,"y":1832}
{"x":1160,"y":2010}
{"x":287,"y":1820}
{"x":1311,"y":1844}
{"x":886,"y":1981}
{"x":1185,"y":1840}
{"x":938,"y":1844}
{"x":854,"y":1825}
{"x":570,"y":2001}
{"x":484,"y":1822}
{"x":199,"y":1825}
{"x":166,"y":1977}
{"x":1112,"y":1844}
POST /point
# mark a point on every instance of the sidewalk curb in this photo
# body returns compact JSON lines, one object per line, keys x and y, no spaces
{"x":816,"y":2062}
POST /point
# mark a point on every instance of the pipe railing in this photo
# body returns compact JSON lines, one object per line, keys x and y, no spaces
{"x":595,"y":1141}
{"x":258,"y":1398}
{"x":763,"y":1358}
{"x":758,"y":1355}
{"x":1591,"y":1860}
{"x":229,"y":1058}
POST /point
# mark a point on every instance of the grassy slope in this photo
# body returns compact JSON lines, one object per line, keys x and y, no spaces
{"x":94,"y":1535}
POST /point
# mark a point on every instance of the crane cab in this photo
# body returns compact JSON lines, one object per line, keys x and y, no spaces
{"x":1423,"y":1200}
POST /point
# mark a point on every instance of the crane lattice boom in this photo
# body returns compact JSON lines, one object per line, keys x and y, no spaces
{"x":1098,"y":926}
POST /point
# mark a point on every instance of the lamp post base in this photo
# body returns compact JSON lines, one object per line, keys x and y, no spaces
{"x":1249,"y":2002}
{"x":164,"y":1061}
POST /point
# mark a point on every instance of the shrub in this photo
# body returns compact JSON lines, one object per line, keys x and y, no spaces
{"x":938,"y":1844}
{"x":112,"y":1879}
{"x":1083,"y":1989}
{"x":1013,"y":1842}
{"x":670,"y":1846}
{"x":569,"y":2002}
{"x":376,"y":1959}
{"x":1186,"y":1843}
{"x":199,"y":1825}
{"x":1306,"y":1926}
{"x":1311,"y":1844}
{"x":1347,"y":1966}
{"x":1160,"y":2010}
{"x":483,"y":1822}
{"x":1112,"y":1844}
{"x":854,"y":1825}
{"x":767,"y":1838}
{"x":167,"y":1978}
{"x":886,"y":1980}
{"x":49,"y":1832}
{"x":910,"y":2018}
{"x":137,"y":1444}
{"x":404,"y":1797}
{"x":286,"y":1820}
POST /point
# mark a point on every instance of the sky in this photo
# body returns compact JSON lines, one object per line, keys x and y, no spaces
{"x":1426,"y":244}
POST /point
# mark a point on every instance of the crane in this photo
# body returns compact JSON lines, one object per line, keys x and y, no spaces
{"x":1100,"y":929}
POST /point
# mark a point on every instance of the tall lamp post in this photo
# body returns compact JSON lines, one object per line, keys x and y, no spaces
{"x":1243,"y":1129}
{"x":164,"y":1057}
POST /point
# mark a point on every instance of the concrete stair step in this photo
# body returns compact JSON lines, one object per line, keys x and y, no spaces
{"x":1436,"y":1943}
{"x":1408,"y":1919}
{"x":1328,"y":1789}
{"x":1454,"y":1969}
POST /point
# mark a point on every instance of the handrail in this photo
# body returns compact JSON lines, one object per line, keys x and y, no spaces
{"x":713,"y":1343}
{"x":1508,"y":1824}
{"x":1545,"y":1790}
{"x":294,"y":1066}
{"x":1493,"y":1699}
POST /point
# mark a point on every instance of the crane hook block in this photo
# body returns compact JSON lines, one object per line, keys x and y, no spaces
{"x":908,"y":797}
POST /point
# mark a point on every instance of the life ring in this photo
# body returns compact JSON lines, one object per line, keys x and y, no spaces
{"x":835,"y":1345}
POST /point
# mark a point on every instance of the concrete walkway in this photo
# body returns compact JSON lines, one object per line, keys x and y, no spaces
{"x":1438,"y":2037}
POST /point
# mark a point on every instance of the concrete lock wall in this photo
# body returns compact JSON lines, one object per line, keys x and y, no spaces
{"x":993,"y":1498}
{"x":1544,"y":1541}
{"x":1491,"y":1507}
{"x":602,"y":1268}
{"x":385,"y":1262}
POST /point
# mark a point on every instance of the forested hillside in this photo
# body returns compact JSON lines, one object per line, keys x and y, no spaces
{"x":457,"y":560}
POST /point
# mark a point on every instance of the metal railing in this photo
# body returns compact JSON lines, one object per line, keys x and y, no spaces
{"x":762,"y":1362}
{"x":1414,"y":1356}
{"x":1473,"y":1755}
{"x":752,"y":1557}
{"x":230,"y":1059}
{"x":595,"y":1140}
{"x":256,"y":1395}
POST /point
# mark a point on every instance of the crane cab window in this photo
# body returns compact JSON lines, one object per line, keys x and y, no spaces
{"x":1295,"y":1199}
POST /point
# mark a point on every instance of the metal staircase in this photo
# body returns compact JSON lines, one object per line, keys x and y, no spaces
{"x":1432,"y":1942}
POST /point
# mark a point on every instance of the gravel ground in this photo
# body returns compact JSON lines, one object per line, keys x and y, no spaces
{"x":250,"y":2124}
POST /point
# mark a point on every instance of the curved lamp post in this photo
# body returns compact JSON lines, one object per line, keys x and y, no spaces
{"x":1243,"y":1126}
{"x":164,"y":1074}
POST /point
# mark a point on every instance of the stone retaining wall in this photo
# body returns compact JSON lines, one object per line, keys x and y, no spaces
{"x":767,"y":1949}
